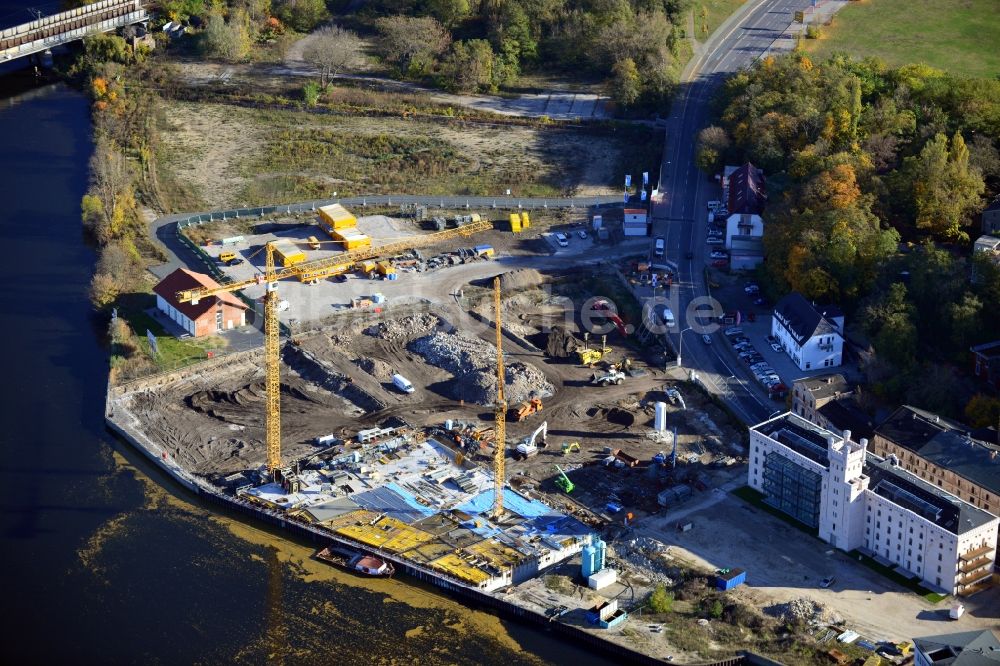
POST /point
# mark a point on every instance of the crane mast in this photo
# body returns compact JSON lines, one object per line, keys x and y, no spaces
{"x":500,"y":414}
{"x":272,"y":363}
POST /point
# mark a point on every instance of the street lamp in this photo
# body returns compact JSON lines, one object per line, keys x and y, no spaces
{"x":680,"y":344}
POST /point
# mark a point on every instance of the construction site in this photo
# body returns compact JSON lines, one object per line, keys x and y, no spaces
{"x":393,"y":426}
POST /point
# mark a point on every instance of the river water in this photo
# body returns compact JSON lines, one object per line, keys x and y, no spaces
{"x":104,"y":558}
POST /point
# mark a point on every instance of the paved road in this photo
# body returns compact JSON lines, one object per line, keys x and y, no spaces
{"x":679,"y":214}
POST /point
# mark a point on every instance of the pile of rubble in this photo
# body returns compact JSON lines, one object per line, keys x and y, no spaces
{"x":797,"y":610}
{"x":644,"y":554}
{"x":473,"y":363}
{"x":404,"y":328}
{"x":561,"y":343}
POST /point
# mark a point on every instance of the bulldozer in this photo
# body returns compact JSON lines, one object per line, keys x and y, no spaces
{"x":526,"y":409}
{"x":590,"y":355}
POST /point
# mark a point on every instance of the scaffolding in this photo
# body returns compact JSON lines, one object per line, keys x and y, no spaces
{"x":792,"y":488}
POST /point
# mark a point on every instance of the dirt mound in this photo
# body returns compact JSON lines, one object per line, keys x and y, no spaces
{"x":561,"y":343}
{"x":378,"y":369}
{"x":619,"y":416}
{"x":473,"y":363}
{"x":796,"y":610}
{"x":522,"y":279}
{"x":404,"y":328}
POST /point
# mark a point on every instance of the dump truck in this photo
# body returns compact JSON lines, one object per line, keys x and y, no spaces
{"x":526,"y":409}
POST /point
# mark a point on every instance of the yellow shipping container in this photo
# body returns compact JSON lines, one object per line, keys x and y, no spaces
{"x":367,"y":266}
{"x":313,"y":242}
{"x":515,"y":222}
{"x":287,"y":253}
{"x":351,"y":239}
{"x":337,"y":217}
{"x":385,"y":268}
{"x":525,"y":220}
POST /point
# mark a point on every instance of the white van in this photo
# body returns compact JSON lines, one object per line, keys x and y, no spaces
{"x":402,"y":383}
{"x":659,"y":246}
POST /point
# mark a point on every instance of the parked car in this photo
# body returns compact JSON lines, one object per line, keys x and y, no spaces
{"x":562,"y":240}
{"x":719,"y":254}
{"x":234,"y":262}
{"x":714,"y":240}
{"x":582,"y":234}
{"x":714,"y":205}
{"x":760,"y":300}
{"x":771,"y":339}
{"x":827,"y":582}
{"x":776,"y":347}
{"x":733,"y":330}
{"x":659,"y":246}
{"x":751,"y":290}
{"x":706,"y":338}
{"x":720,"y":263}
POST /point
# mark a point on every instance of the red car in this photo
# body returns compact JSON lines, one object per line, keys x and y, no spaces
{"x":720,"y":263}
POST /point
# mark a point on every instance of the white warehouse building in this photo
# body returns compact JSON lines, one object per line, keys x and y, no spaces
{"x":858,"y":501}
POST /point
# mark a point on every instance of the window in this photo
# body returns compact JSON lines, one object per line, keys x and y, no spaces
{"x":868,"y":530}
{"x":939,"y":571}
{"x":911,"y":542}
{"x":940,"y":559}
{"x":939,"y":581}
{"x":868,"y":519}
{"x":919,"y":557}
{"x":880,"y":512}
{"x":808,"y":365}
{"x":835,"y":527}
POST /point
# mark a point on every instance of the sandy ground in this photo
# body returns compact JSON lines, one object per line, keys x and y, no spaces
{"x":784,"y":564}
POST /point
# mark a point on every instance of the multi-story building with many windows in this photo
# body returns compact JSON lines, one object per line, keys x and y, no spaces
{"x":858,"y":501}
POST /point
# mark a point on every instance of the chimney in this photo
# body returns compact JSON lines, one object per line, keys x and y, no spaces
{"x":847,"y":435}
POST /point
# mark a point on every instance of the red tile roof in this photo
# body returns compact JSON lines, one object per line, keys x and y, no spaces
{"x":182,"y":279}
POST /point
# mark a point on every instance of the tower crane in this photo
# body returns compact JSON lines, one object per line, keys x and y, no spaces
{"x":339,"y":263}
{"x":499,"y":414}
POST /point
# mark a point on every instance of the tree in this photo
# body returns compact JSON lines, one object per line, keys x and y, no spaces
{"x":229,"y":40}
{"x":946,"y":190}
{"x":469,"y":66}
{"x":448,"y":12}
{"x":625,"y":83}
{"x":983,"y":411}
{"x":661,"y":601}
{"x":410,"y":44}
{"x":302,"y":15}
{"x":713,"y":144}
{"x":332,"y":51}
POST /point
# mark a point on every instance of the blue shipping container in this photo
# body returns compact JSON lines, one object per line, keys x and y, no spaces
{"x":727,"y":579}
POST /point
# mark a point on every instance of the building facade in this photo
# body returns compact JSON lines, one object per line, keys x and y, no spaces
{"x":857,"y":501}
{"x":942,"y":452}
{"x":208,"y":316}
{"x":743,"y":226}
{"x":986,"y":363}
{"x":991,"y":218}
{"x":812,"y":337}
{"x":810,"y":394}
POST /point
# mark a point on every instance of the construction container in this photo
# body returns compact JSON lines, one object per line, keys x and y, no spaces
{"x":350,"y":238}
{"x":525,"y":220}
{"x":337,"y":217}
{"x":660,"y":419}
{"x":287,"y":253}
{"x":313,"y":243}
{"x":515,"y":222}
{"x":386,"y":269}
{"x":484,"y":251}
{"x":602,"y":579}
{"x":367,"y":266}
{"x":727,"y":579}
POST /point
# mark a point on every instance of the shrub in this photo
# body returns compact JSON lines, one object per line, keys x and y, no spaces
{"x":661,"y":601}
{"x":311,"y":92}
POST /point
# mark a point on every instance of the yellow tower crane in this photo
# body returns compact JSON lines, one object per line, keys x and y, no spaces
{"x":500,"y":414}
{"x":339,"y":263}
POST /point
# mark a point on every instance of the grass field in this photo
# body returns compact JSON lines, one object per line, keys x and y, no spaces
{"x":953,"y":35}
{"x":717,"y":12}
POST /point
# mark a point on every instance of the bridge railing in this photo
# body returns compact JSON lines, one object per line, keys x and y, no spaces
{"x":62,"y":37}
{"x":61,"y":17}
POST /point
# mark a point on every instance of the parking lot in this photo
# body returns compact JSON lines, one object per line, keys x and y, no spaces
{"x":783,"y":564}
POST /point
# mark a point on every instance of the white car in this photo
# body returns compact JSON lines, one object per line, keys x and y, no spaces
{"x":562,"y":240}
{"x":706,"y":338}
{"x":582,"y":234}
{"x":719,"y":254}
{"x":714,"y":205}
{"x":776,"y":347}
{"x":714,"y":240}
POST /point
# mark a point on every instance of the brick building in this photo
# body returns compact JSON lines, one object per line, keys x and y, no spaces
{"x":209,"y":316}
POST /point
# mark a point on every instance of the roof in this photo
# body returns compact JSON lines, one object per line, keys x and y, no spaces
{"x":965,"y":648}
{"x":844,"y":414}
{"x":747,"y":193}
{"x":987,"y":243}
{"x":994,"y":205}
{"x":183,"y":279}
{"x":747,"y":246}
{"x":825,"y":386}
{"x":802,"y":436}
{"x":989,"y":350}
{"x":944,"y":443}
{"x":803,"y":320}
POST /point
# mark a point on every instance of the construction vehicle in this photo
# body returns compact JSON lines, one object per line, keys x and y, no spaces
{"x":317,"y":270}
{"x":570,"y":447}
{"x":527,"y":408}
{"x":608,"y":377}
{"x":563,"y":482}
{"x":499,"y":413}
{"x":590,"y":355}
{"x":607,"y":310}
{"x":529,"y":445}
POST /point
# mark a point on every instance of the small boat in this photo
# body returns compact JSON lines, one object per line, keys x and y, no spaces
{"x":368,"y":565}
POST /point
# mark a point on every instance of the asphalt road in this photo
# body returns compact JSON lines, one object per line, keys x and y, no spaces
{"x":680,"y":212}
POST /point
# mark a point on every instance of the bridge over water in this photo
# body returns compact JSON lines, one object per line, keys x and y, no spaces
{"x":50,"y":31}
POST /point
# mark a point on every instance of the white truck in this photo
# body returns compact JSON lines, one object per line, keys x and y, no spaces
{"x":402,"y":383}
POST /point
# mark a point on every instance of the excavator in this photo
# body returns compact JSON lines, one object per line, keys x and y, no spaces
{"x":570,"y":447}
{"x":563,"y":482}
{"x":528,"y":446}
{"x":607,"y":311}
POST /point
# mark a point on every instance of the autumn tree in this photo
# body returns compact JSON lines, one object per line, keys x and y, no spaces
{"x":625,"y":83}
{"x":229,"y":40}
{"x":983,"y":411}
{"x":302,"y":15}
{"x":946,"y":190}
{"x":332,"y":51}
{"x":412,"y":45}
{"x":469,"y":66}
{"x":713,"y":144}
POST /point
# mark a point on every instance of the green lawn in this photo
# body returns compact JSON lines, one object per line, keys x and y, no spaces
{"x":953,"y":35}
{"x":717,"y":12}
